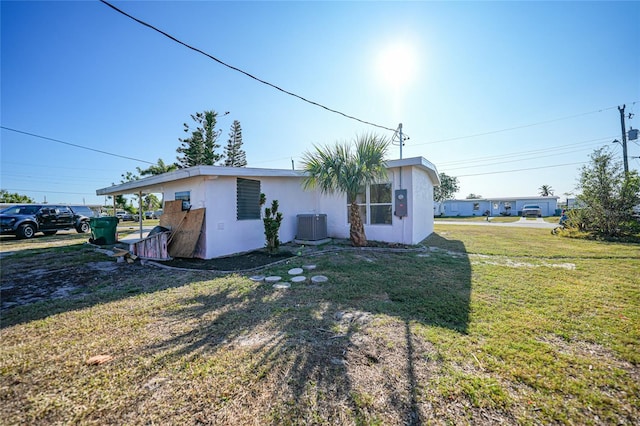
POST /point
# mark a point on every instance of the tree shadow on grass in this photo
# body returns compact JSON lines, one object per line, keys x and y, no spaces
{"x":342,"y":352}
{"x":42,"y":282}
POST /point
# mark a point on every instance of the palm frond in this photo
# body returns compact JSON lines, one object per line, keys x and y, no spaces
{"x":340,"y":169}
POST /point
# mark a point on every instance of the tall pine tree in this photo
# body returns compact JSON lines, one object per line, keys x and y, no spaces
{"x":200,"y":148}
{"x":235,"y":155}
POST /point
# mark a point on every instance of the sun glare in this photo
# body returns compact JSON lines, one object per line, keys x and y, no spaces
{"x":396,"y":65}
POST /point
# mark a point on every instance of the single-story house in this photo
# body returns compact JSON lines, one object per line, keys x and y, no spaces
{"x":397,"y":210}
{"x":502,"y":206}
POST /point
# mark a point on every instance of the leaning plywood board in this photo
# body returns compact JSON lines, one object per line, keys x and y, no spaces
{"x":185,"y":226}
{"x":201,"y":249}
{"x":172,"y":214}
{"x":170,"y":208}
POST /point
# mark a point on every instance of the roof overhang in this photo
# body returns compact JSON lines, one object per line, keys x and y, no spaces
{"x":420,"y":163}
{"x":155,"y":184}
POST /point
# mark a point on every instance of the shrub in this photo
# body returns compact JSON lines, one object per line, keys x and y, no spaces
{"x":272,"y":220}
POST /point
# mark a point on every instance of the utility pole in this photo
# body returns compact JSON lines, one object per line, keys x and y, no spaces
{"x":624,"y":140}
{"x":401,"y":141}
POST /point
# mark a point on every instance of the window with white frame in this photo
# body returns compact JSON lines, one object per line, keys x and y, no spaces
{"x":375,"y":203}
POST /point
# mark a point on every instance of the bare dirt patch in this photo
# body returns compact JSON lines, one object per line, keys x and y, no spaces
{"x":23,"y":286}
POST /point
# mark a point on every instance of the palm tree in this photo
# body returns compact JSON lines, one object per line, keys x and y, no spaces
{"x":339,"y":169}
{"x":546,"y":190}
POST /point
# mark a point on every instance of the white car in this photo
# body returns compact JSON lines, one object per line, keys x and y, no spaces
{"x":123,"y":215}
{"x":531,"y":210}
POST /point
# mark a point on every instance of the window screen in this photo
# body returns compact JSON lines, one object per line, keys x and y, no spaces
{"x":248,"y":199}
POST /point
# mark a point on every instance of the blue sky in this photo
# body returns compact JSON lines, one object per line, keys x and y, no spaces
{"x":456,"y":74}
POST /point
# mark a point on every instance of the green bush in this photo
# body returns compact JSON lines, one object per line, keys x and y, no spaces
{"x":272,"y":220}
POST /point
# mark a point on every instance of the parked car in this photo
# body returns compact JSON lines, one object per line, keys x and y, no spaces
{"x":146,"y":216}
{"x":25,"y":220}
{"x":83,"y":217}
{"x":123,"y":215}
{"x":531,"y":210}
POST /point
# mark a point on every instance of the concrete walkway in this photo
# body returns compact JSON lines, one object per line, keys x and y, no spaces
{"x":133,"y":235}
{"x":522,"y":223}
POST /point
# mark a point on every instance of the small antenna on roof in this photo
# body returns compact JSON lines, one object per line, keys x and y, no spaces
{"x":398,"y":138}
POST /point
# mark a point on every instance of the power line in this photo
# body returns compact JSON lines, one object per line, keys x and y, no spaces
{"x":506,"y":162}
{"x":48,"y":192}
{"x":523,"y":153}
{"x":521,"y":170}
{"x":202,"y":52}
{"x":517,"y":127}
{"x":59,"y":179}
{"x":75,"y":145}
{"x":49,"y":166}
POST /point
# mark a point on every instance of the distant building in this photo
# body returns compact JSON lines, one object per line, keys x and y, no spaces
{"x":497,"y":206}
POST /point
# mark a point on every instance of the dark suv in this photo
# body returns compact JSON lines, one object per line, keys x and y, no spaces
{"x":25,"y":220}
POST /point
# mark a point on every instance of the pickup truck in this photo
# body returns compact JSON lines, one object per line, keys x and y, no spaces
{"x":25,"y":220}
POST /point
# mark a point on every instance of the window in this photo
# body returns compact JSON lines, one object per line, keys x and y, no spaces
{"x":248,"y":199}
{"x":361,"y":200}
{"x":183,"y":195}
{"x":476,"y":206}
{"x":375,"y":204}
{"x":380,"y":204}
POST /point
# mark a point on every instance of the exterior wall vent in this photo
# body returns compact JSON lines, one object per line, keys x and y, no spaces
{"x":312,"y":227}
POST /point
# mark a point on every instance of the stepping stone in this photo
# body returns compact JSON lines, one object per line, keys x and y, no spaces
{"x":273,"y":279}
{"x":318,"y":279}
{"x":298,"y":279}
{"x":295,"y":271}
{"x":282,"y":285}
{"x":309,"y":267}
{"x":257,"y":278}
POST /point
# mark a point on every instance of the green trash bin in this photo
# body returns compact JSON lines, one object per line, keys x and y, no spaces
{"x":103,"y":230}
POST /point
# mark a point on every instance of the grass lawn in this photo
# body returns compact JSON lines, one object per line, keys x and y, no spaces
{"x":487,"y":325}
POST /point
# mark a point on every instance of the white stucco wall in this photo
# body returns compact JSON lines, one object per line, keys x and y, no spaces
{"x":422,"y":209}
{"x":227,"y":235}
{"x":335,"y":207}
{"x":408,"y":230}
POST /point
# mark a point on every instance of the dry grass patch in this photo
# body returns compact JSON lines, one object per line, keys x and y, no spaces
{"x":438,"y":336}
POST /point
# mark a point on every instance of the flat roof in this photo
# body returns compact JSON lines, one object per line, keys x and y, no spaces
{"x":535,"y":197}
{"x":154,"y":183}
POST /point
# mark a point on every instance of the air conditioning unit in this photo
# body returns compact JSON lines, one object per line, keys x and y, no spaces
{"x":312,"y":227}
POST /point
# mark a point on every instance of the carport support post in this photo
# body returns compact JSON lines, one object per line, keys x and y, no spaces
{"x":140,"y":212}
